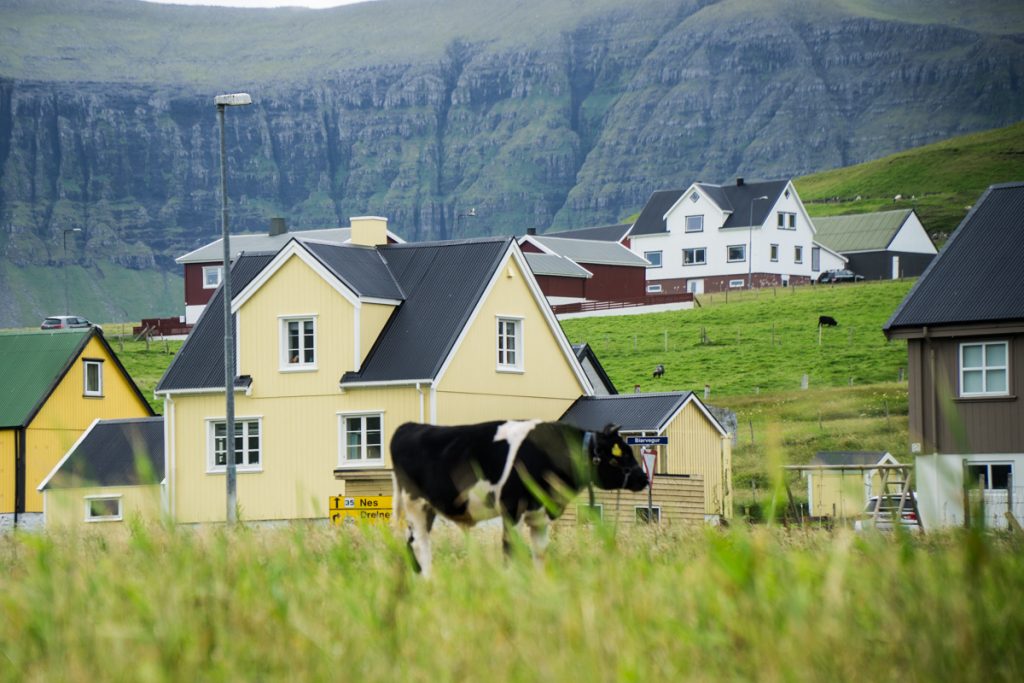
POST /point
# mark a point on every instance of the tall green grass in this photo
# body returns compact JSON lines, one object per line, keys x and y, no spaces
{"x":316,"y":603}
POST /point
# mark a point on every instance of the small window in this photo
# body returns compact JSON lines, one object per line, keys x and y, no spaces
{"x":362,"y":440}
{"x":737,"y":252}
{"x":694,"y":197}
{"x":646,"y":515}
{"x":775,"y":252}
{"x":298,"y":343}
{"x":786,"y":220}
{"x":792,"y":221}
{"x":695,"y":223}
{"x":510,"y":344}
{"x":984,"y":369}
{"x":698,"y":256}
{"x":586,"y":514}
{"x":93,"y":372}
{"x":798,"y":254}
{"x":735,"y":284}
{"x":248,"y":440}
{"x":103,"y":509}
{"x":211,"y":276}
{"x":989,"y":476}
{"x":654,"y":257}
{"x":654,"y":289}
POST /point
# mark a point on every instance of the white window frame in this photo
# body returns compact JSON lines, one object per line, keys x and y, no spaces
{"x":241,"y":428}
{"x":686,"y":223}
{"x":785,"y":220}
{"x":798,"y":253}
{"x":728,"y":252}
{"x":581,"y":507}
{"x":207,"y":270}
{"x":987,"y":464}
{"x":653,"y":256}
{"x":654,"y":289}
{"x":695,"y":262}
{"x":774,"y":253}
{"x":501,"y":363}
{"x":86,"y":364}
{"x":364,"y":462}
{"x":654,"y":508}
{"x":984,"y":368}
{"x":736,"y":284}
{"x":116,"y":517}
{"x":301,"y":365}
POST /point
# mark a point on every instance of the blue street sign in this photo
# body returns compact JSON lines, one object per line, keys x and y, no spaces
{"x":647,"y":440}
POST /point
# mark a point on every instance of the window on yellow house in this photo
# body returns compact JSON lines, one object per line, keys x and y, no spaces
{"x":361,"y":439}
{"x":510,"y":344}
{"x":248,"y":442}
{"x":93,"y":377}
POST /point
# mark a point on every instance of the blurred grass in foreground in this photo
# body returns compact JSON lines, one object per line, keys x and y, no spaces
{"x":320,"y":603}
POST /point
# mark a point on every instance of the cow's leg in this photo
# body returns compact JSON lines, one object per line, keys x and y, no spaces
{"x":538,"y":522}
{"x":421,"y":519}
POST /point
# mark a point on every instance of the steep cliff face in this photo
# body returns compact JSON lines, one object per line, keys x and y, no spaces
{"x":575,"y":129}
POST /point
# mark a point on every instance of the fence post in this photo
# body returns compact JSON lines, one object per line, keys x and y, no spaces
{"x":666,"y":339}
{"x":804,"y":382}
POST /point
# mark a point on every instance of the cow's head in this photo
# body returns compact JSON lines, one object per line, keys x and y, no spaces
{"x":612,"y":462}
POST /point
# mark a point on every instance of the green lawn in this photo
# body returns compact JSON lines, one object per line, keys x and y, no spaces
{"x":145,"y":362}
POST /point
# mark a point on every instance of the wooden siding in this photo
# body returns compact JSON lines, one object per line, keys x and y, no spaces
{"x":695,"y":447}
{"x":195,"y":293}
{"x":838,"y":494}
{"x":368,"y":487}
{"x":611,"y":283}
{"x":554,"y":285}
{"x":680,"y":498}
{"x":68,"y":412}
{"x":964,"y":425}
{"x":372,"y":318}
{"x":8,"y":439}
{"x":547,"y":375}
{"x":65,"y":508}
{"x":300,"y":450}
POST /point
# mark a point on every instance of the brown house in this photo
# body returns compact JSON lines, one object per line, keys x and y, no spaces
{"x":964,"y":326}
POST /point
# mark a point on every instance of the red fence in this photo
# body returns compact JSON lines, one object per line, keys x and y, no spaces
{"x":649,"y":300}
{"x":159,"y":327}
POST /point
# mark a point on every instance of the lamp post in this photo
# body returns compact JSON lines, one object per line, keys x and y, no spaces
{"x":223,"y":102}
{"x":66,"y":231}
{"x":468,"y":214}
{"x":750,"y":243}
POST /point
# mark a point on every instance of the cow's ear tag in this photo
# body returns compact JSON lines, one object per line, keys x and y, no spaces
{"x":616,"y":451}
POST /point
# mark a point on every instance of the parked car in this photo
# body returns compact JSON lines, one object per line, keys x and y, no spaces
{"x":908,"y":516}
{"x":843,"y":275}
{"x":64,"y":322}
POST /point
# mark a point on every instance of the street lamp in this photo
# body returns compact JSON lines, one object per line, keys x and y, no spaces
{"x":750,"y":243}
{"x":66,"y":231}
{"x":223,"y":102}
{"x":468,"y":214}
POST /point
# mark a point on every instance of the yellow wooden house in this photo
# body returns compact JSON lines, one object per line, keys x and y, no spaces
{"x":691,"y":452}
{"x":338,"y":345}
{"x":55,"y":384}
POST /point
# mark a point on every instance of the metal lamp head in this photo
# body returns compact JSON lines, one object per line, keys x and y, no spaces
{"x":237,"y":99}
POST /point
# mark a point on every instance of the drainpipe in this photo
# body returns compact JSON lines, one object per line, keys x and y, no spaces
{"x":420,"y":392}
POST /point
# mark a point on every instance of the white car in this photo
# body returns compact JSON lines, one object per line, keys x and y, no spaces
{"x":908,"y":516}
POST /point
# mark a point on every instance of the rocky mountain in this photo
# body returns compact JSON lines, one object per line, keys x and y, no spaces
{"x":537,"y":113}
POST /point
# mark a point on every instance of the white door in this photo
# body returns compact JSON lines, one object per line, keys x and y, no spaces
{"x":895,"y":267}
{"x":695,"y":286}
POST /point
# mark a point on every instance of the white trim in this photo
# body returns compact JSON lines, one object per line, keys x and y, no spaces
{"x":365,"y":463}
{"x":298,"y":249}
{"x":730,"y":247}
{"x":67,"y":455}
{"x":737,"y":283}
{"x":661,"y":258}
{"x":211,"y":453}
{"x":220,"y":275}
{"x":208,"y":390}
{"x":654,"y":288}
{"x":686,"y":195}
{"x":543,"y":248}
{"x":433,"y":404}
{"x":645,"y":508}
{"x":86,"y":362}
{"x":518,"y":352}
{"x":105,"y":496}
{"x":169,"y":471}
{"x":835,"y":253}
{"x":300,"y":366}
{"x":983,"y":368}
{"x":385,"y":383}
{"x":695,"y":262}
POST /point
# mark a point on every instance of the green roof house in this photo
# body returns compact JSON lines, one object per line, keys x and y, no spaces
{"x":880,"y":245}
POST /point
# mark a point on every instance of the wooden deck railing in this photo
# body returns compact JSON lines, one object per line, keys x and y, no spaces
{"x":649,"y":300}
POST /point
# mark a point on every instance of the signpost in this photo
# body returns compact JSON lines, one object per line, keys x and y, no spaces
{"x":352,"y":509}
{"x":648,"y":459}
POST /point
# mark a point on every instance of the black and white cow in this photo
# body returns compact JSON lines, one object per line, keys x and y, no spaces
{"x":523,"y":471}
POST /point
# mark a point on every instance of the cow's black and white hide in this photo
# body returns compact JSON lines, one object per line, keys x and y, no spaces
{"x":522,"y":471}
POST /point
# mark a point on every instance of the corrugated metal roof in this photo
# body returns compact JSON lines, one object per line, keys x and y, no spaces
{"x":605,"y":233}
{"x":362,"y":269}
{"x":738,"y":199}
{"x":31,"y":364}
{"x":592,"y":251}
{"x":585,"y":354}
{"x":259,"y":243}
{"x":443,"y":282}
{"x":111,"y":455}
{"x":977,"y":275}
{"x":553,"y":264}
{"x":860,"y":232}
{"x":632,"y":412}
{"x":651,"y":220}
{"x":199,"y":364}
{"x":847,"y":457}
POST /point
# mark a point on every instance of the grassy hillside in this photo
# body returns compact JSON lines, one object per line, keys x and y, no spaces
{"x":941,"y":180}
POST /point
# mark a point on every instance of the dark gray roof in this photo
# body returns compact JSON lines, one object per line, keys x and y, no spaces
{"x":443,"y":282}
{"x":115,"y":453}
{"x":199,"y":364}
{"x":977,"y":275}
{"x":361,"y":269}
{"x":847,"y":457}
{"x":632,"y":412}
{"x":604,"y":233}
{"x":585,"y":353}
{"x":733,"y":198}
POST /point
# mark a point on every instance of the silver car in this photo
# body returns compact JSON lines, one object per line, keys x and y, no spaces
{"x":883,"y":522}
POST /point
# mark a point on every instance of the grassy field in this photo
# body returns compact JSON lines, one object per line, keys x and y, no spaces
{"x":315,"y":603}
{"x":145,"y":362}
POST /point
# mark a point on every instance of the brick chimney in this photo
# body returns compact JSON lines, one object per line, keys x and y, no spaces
{"x":369,"y":231}
{"x":278,"y":226}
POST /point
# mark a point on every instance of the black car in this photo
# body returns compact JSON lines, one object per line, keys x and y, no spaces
{"x":840,"y":276}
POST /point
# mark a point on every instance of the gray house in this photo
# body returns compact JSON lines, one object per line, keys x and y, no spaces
{"x":964,"y":326}
{"x":880,"y":245}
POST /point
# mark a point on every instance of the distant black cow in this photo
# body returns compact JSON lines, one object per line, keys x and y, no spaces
{"x":826,"y":321}
{"x":526,"y":470}
{"x":659,"y":370}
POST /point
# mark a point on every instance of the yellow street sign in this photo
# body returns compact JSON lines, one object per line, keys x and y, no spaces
{"x":354,"y":516}
{"x":360,"y":503}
